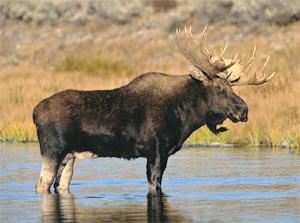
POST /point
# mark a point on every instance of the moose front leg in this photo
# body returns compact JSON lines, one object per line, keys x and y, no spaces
{"x":155,"y":169}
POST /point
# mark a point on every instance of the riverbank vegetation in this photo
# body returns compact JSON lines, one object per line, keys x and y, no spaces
{"x":274,"y":116}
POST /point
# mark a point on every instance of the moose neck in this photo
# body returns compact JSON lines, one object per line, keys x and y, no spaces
{"x":193,"y":107}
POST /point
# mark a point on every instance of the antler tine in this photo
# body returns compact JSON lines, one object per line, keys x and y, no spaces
{"x":224,"y":49}
{"x":233,"y":62}
{"x":270,"y":77}
{"x":235,"y":57}
{"x":249,"y":68}
{"x":250,"y":61}
{"x":202,"y":37}
{"x":229,"y":65}
{"x":254,"y":80}
{"x":253,"y":54}
{"x":262,"y":70}
{"x":211,"y":55}
{"x":212,"y":65}
{"x":194,"y":50}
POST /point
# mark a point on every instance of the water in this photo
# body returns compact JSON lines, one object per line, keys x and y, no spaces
{"x":200,"y":185}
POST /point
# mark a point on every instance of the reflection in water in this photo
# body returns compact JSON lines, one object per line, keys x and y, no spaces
{"x":58,"y":207}
{"x":62,"y":207}
{"x":159,"y":210}
{"x":203,"y":185}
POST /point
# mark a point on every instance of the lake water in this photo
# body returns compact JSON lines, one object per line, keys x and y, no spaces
{"x":200,"y":185}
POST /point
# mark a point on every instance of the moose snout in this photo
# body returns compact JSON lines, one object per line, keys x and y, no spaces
{"x":243,"y":112}
{"x":239,"y":112}
{"x":244,"y":116}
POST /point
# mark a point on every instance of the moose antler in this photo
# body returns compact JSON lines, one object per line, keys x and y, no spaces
{"x":201,"y":58}
{"x":253,"y":80}
{"x":214,"y":66}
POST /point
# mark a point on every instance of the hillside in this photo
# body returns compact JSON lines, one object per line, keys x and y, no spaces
{"x":47,"y":46}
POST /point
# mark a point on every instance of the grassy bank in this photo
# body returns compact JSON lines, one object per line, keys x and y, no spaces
{"x":274,"y":117}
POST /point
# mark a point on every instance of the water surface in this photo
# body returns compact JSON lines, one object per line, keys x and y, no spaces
{"x":199,"y":185}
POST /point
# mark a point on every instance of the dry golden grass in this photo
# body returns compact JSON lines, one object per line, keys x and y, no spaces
{"x":22,"y":87}
{"x":274,"y":118}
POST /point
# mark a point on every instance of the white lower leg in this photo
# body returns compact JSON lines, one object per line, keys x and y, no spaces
{"x":66,"y":176}
{"x":47,"y":175}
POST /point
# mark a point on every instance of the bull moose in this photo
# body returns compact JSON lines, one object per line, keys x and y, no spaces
{"x":150,"y":117}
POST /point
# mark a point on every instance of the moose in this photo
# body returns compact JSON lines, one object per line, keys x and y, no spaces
{"x":150,"y":117}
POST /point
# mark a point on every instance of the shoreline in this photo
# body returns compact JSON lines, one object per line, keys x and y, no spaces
{"x":213,"y":145}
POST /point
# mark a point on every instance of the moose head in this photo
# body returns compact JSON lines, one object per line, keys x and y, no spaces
{"x":218,"y":74}
{"x":150,"y":117}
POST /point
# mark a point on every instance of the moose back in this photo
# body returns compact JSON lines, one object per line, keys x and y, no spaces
{"x":150,"y":117}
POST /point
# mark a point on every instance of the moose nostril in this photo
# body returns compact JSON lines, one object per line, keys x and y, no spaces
{"x":244,"y":117}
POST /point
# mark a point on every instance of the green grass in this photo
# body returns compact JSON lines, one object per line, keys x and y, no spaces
{"x":274,"y":114}
{"x":16,"y":133}
{"x":93,"y":65}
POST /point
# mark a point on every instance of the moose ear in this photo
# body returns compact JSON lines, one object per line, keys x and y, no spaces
{"x":198,"y":75}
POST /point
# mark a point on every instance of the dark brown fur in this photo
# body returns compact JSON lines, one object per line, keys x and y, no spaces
{"x":150,"y":117}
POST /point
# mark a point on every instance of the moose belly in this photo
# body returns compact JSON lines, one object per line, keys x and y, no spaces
{"x":110,"y":146}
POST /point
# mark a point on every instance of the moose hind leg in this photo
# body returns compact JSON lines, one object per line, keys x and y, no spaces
{"x":65,"y":173}
{"x":48,"y":172}
{"x":155,"y":169}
